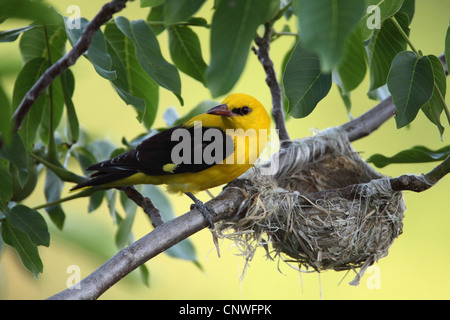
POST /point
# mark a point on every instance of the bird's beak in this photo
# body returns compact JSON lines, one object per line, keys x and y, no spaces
{"x":220,"y":110}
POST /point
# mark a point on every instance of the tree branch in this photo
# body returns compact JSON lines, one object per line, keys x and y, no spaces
{"x":262,"y":52}
{"x":104,"y":15}
{"x":406,"y":182}
{"x":370,"y":121}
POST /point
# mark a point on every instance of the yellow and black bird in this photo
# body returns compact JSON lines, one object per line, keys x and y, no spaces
{"x":206,"y":151}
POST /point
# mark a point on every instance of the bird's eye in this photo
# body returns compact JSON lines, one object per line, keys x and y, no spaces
{"x":245,"y":110}
{"x":241,"y":111}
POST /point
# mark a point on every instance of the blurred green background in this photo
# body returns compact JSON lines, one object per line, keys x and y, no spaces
{"x":418,"y":262}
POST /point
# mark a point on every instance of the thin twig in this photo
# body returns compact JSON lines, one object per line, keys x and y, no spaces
{"x":104,"y":15}
{"x":145,"y":203}
{"x":444,"y":63}
{"x":262,"y":52}
{"x":438,"y":172}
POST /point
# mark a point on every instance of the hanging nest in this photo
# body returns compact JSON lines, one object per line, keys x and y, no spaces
{"x":324,"y":208}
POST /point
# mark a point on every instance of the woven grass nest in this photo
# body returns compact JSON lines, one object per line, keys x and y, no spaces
{"x":297,"y":215}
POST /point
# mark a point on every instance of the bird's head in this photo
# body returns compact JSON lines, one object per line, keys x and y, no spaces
{"x":240,"y":110}
{"x":244,"y":119}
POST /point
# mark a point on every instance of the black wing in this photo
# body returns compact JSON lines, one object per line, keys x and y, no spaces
{"x":151,"y":155}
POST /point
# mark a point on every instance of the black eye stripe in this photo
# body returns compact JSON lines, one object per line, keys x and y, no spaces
{"x":241,"y":111}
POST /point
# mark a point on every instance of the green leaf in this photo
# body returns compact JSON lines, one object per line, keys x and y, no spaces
{"x":416,"y":154}
{"x":198,"y":21}
{"x":233,"y":29}
{"x":97,"y":52}
{"x":25,"y":9}
{"x":170,"y":115}
{"x":284,"y":62}
{"x":16,"y":153}
{"x":149,"y":55}
{"x":155,"y":16}
{"x":68,"y":87}
{"x":12,"y":35}
{"x":22,"y":190}
{"x":47,"y":42}
{"x":51,"y":117}
{"x":378,"y":11}
{"x":124,"y":234}
{"x":346,"y":99}
{"x":5,"y":116}
{"x":380,"y":93}
{"x":33,"y":43}
{"x":101,"y":149}
{"x":151,"y":3}
{"x":447,"y":46}
{"x":27,"y":77}
{"x":325,"y":25}
{"x":111,"y":196}
{"x":352,"y":67}
{"x":182,"y":250}
{"x":186,"y":53}
{"x":86,"y":158}
{"x":434,"y":107}
{"x":6,"y":185}
{"x":27,"y":251}
{"x":144,"y":275}
{"x":384,"y":45}
{"x":52,"y":190}
{"x":409,"y":7}
{"x":411,"y":84}
{"x":180,"y":10}
{"x":31,"y":222}
{"x":304,"y":82}
{"x":133,"y":84}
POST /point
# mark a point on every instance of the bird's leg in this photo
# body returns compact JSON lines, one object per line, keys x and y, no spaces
{"x":206,"y":211}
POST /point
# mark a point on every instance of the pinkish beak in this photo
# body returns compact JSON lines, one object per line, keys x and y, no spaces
{"x":220,"y":110}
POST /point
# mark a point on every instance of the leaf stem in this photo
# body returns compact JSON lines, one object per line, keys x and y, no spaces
{"x":443,"y":103}
{"x":439,"y":171}
{"x":84,"y":193}
{"x":61,"y":172}
{"x":163,"y":24}
{"x":405,"y":36}
{"x":52,"y":153}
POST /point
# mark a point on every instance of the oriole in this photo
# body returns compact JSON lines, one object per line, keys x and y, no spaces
{"x":210,"y":153}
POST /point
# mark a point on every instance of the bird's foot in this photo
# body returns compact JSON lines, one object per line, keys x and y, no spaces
{"x":206,"y":211}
